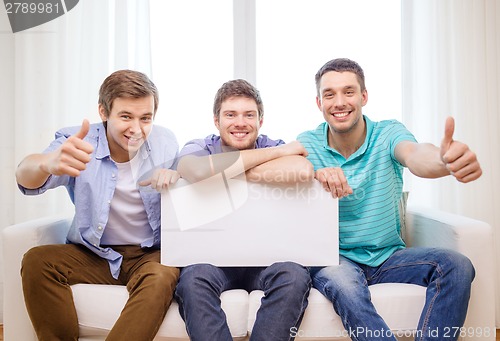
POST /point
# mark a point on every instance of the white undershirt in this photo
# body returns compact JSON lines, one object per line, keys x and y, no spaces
{"x":128,"y":221}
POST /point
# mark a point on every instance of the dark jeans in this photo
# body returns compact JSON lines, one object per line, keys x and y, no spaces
{"x":286,"y":288}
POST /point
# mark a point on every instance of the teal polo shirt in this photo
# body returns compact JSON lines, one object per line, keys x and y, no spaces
{"x":369,"y":225}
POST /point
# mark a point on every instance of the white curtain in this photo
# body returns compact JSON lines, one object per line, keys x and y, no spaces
{"x":451,"y":66}
{"x":51,"y":78}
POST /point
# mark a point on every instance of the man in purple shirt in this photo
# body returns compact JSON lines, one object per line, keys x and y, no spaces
{"x":240,"y":151}
{"x":113,"y":172}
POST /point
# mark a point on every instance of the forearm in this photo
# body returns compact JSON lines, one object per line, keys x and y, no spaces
{"x":194,"y":168}
{"x":286,"y":170}
{"x":253,"y":159}
{"x":31,"y":172}
{"x":425,"y":161}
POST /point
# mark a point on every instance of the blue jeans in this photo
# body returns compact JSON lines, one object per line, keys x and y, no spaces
{"x":286,"y":288}
{"x":446,"y":274}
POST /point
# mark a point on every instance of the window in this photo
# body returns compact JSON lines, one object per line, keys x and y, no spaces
{"x":192,"y":55}
{"x":296,"y":37}
{"x":192,"y":48}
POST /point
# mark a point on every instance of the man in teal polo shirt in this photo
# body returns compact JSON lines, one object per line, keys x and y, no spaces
{"x":361,"y":162}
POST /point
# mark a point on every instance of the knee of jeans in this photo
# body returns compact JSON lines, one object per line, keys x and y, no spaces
{"x":296,"y":275}
{"x":333,"y":282}
{"x":195,"y":279}
{"x":461,"y":266}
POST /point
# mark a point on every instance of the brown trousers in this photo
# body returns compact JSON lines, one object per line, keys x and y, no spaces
{"x":48,"y":272}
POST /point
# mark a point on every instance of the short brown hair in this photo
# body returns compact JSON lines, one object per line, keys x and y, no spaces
{"x":235,"y":88}
{"x":341,"y":65}
{"x":127,"y":84}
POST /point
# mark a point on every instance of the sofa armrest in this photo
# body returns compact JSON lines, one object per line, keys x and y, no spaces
{"x":17,"y":239}
{"x":473,"y":238}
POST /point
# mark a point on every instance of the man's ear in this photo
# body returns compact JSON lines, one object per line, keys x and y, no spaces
{"x":216,"y":122}
{"x":102,"y":113}
{"x":318,"y":102}
{"x":364,"y":94}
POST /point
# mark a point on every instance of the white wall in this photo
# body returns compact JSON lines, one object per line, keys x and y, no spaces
{"x":7,"y":183}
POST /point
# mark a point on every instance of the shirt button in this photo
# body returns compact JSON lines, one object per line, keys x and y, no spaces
{"x":95,"y":244}
{"x":99,"y":227}
{"x":112,"y":175}
{"x":109,"y":202}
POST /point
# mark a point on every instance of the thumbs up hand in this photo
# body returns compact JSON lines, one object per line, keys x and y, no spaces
{"x":73,"y":155}
{"x":458,"y":159}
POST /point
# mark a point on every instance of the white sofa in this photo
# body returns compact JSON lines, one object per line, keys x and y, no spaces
{"x":98,"y":306}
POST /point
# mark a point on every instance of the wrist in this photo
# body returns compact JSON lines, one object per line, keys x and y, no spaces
{"x":44,"y":169}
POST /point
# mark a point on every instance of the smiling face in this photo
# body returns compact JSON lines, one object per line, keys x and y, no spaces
{"x":238,"y":122}
{"x":128,"y":125}
{"x":341,"y":101}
